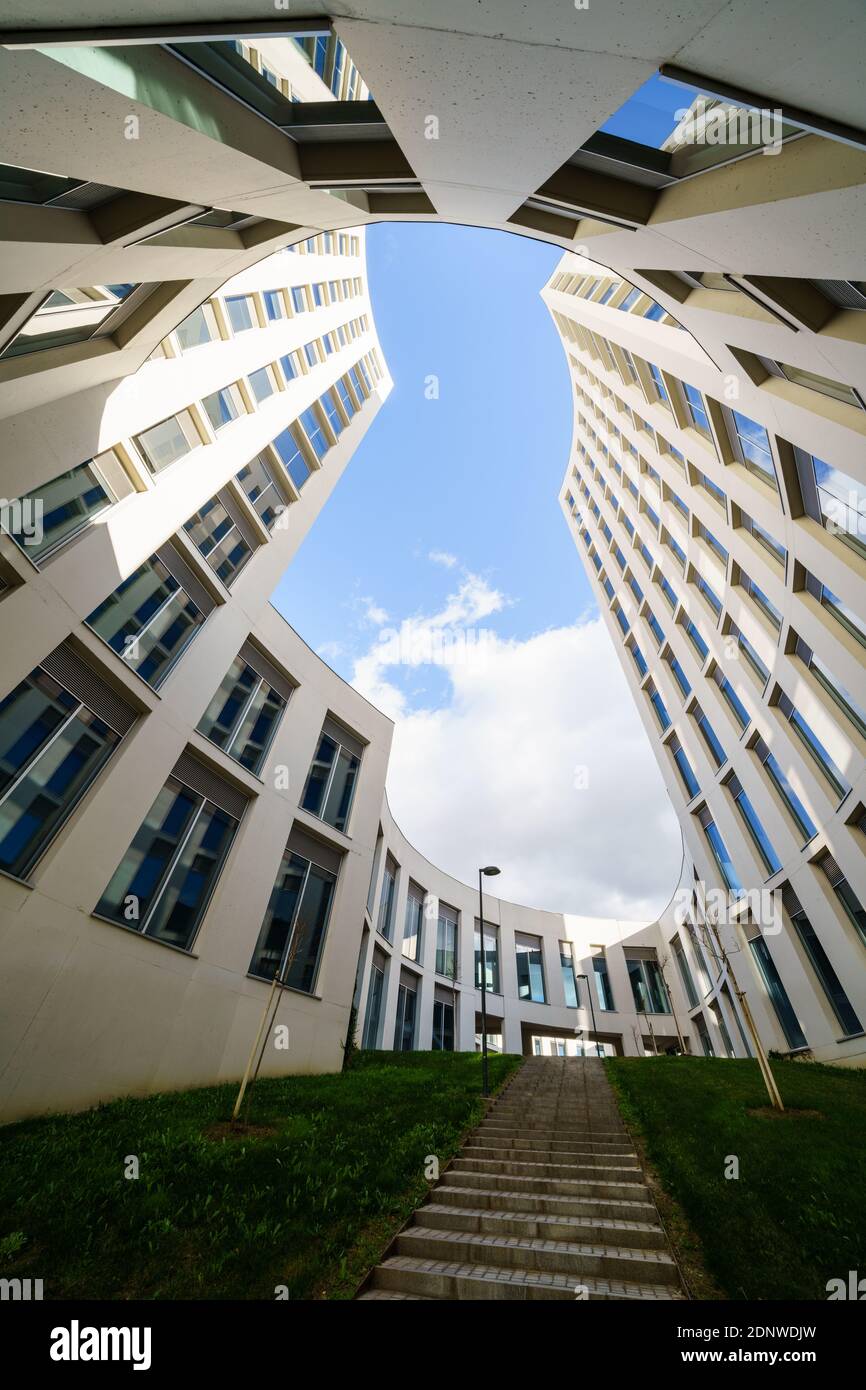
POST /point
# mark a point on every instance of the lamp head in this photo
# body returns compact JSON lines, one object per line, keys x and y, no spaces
{"x":490,"y":871}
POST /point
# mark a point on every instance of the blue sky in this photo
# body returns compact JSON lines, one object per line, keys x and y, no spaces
{"x":446,"y":523}
{"x":473,"y":474}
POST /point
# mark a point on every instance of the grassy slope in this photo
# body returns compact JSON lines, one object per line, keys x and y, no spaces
{"x":796,"y":1216}
{"x":233,"y":1218}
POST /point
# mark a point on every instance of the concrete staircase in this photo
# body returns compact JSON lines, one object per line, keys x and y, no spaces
{"x":545,"y":1200}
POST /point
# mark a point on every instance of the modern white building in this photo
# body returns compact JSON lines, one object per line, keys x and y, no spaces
{"x":191,"y":799}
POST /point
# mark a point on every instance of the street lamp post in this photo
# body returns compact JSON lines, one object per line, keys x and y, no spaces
{"x":489,"y":872}
{"x":592,"y":1011}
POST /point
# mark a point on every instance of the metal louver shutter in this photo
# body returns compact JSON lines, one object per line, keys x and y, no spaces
{"x":259,"y":662}
{"x":199,"y":778}
{"x":735,"y":786}
{"x":341,"y":735}
{"x":86,"y":195}
{"x":66,"y":666}
{"x":831,"y":869}
{"x":310,"y":848}
{"x":790,"y":901}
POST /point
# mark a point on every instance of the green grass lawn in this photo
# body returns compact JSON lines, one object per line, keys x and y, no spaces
{"x":796,"y":1216}
{"x":310,"y":1205}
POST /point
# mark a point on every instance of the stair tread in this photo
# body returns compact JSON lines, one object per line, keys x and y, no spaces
{"x":621,"y":1288}
{"x":610,"y":1223}
{"x":499,"y":1192}
{"x":639,"y":1255}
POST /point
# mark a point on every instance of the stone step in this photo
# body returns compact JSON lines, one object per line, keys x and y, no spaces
{"x":390,"y":1295}
{"x":525,"y":1124}
{"x":592,"y":1172}
{"x":583,"y":1230}
{"x":435,"y":1279}
{"x":502,"y":1199}
{"x":547,"y":1158}
{"x":497,"y":1139}
{"x":540,"y":1256}
{"x":543,"y":1187}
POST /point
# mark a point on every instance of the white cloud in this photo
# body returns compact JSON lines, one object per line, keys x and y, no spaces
{"x":537,"y":761}
{"x":442,"y":557}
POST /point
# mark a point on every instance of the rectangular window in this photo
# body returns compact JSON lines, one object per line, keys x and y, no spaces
{"x":329,"y":405}
{"x":54,"y":740}
{"x":241,"y":314}
{"x":330,"y":786}
{"x":845,"y":894}
{"x":64,"y":506}
{"x":386,"y":901}
{"x":685,"y":973}
{"x":813,"y":745}
{"x":697,"y":410}
{"x":603,"y":989}
{"x":223,"y":406}
{"x":491,"y":956}
{"x":717,"y":752}
{"x":411,"y":947}
{"x":261,"y":384}
{"x":772,"y":546}
{"x":658,"y":382}
{"x":293,"y":932}
{"x":197,"y":328}
{"x":312,"y":428}
{"x":372,"y":1022}
{"x":261,"y":490}
{"x":274,"y":306}
{"x":292,"y":458}
{"x":788,"y":1020}
{"x":443,"y":1026}
{"x":821,"y":964}
{"x":647,"y":986}
{"x":404,"y":1030}
{"x":779,"y":778}
{"x":243,"y":716}
{"x":569,"y":979}
{"x":719,"y":851}
{"x":216,"y":536}
{"x":736,"y":705}
{"x":170,"y":440}
{"x":754,"y":447}
{"x":530,"y":968}
{"x":756,"y":830}
{"x":165,"y":880}
{"x":299,"y":299}
{"x":690,"y":781}
{"x":148,"y":620}
{"x":446,"y":942}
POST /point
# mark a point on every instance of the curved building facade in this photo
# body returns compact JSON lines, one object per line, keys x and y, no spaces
{"x":191,"y":800}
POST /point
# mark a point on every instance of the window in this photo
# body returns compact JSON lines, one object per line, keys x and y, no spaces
{"x":197,"y":328}
{"x":446,"y":942}
{"x":840,"y":610}
{"x":223,"y":406}
{"x":313,"y":430}
{"x":386,"y":902}
{"x":703,"y":1034}
{"x":813,"y":745}
{"x":299,"y":299}
{"x":43,"y":519}
{"x":715,"y":545}
{"x":709,"y":594}
{"x":165,"y":880}
{"x":684,"y":972}
{"x":165,"y":443}
{"x":148,"y":620}
{"x":668,"y":591}
{"x":491,"y":956}
{"x":745,"y":646}
{"x":679,"y":675}
{"x":69,"y":316}
{"x":291,"y":455}
{"x":329,"y":405}
{"x":342,"y":392}
{"x":661,"y":389}
{"x":293,"y":931}
{"x":242,"y":717}
{"x":289,"y":366}
{"x":697,"y":410}
{"x":696,"y":640}
{"x":332,"y":777}
{"x":658,"y":705}
{"x":443,"y":1026}
{"x":411,"y":946}
{"x":241,"y":314}
{"x":274,"y":306}
{"x":569,"y":979}
{"x":820,"y":962}
{"x":834,"y":689}
{"x":779,"y":779}
{"x":754,"y":447}
{"x":753,"y":825}
{"x":404,"y":1030}
{"x":776,"y":990}
{"x":54,"y":740}
{"x":530,"y":968}
{"x":717,"y":752}
{"x":261,"y":490}
{"x":719,"y":851}
{"x":825,"y":385}
{"x":772,"y":546}
{"x":770,"y":612}
{"x":261,"y":384}
{"x":372,"y":1022}
{"x":602,"y":983}
{"x":690,"y":781}
{"x":841,"y":502}
{"x":736,"y":705}
{"x":845,"y":893}
{"x":647,"y":986}
{"x":216,"y":536}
